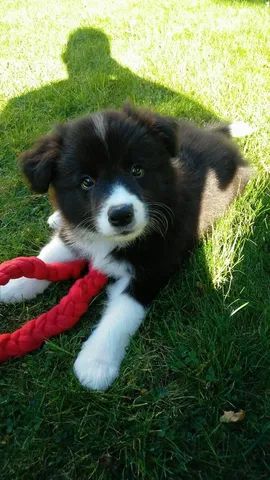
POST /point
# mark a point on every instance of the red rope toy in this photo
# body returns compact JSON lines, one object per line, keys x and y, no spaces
{"x":62,"y":316}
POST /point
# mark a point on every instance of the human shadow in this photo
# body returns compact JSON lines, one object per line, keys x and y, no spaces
{"x":95,"y":81}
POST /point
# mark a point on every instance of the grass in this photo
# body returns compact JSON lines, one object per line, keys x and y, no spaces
{"x":205,"y":346}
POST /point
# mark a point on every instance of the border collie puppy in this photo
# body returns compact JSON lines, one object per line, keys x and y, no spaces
{"x":134,"y":191}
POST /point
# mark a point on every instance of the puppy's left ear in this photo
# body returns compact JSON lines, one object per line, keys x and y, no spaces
{"x":163,"y":128}
{"x":40,"y":162}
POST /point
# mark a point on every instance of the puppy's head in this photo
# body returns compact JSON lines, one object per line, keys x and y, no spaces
{"x":107,"y":171}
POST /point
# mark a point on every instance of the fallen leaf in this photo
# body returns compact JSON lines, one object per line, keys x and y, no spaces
{"x":232,"y":417}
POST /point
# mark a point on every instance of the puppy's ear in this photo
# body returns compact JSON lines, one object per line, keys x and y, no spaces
{"x":163,"y":128}
{"x":39,"y":163}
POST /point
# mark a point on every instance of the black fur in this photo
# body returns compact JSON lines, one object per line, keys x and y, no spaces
{"x":177,"y":158}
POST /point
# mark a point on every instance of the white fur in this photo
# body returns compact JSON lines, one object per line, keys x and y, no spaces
{"x":120,"y":195}
{"x":96,"y":248}
{"x":100,"y":126}
{"x":55,"y":220}
{"x":240,"y":129}
{"x":56,"y":251}
{"x":27,"y":288}
{"x":98,"y":363}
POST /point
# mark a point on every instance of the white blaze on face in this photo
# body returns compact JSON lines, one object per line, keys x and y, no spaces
{"x":121,"y":196}
{"x":99,"y":125}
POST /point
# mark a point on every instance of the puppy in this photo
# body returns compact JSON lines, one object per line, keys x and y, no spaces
{"x":134,"y":192}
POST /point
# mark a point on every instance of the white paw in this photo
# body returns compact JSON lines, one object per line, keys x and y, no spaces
{"x":21,"y":289}
{"x":55,"y":220}
{"x":95,"y":373}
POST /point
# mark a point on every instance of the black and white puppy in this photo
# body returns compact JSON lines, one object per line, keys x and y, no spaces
{"x":134,"y":192}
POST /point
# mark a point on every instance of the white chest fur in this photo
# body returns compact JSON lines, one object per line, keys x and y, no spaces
{"x":98,"y":250}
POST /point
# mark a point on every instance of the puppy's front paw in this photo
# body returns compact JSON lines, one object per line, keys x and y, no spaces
{"x":22,"y":289}
{"x":93,"y":372}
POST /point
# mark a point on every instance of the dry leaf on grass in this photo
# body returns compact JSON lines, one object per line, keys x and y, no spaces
{"x":232,"y":417}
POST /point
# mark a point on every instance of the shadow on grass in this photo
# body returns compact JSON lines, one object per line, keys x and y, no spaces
{"x":199,"y":369}
{"x":95,"y":81}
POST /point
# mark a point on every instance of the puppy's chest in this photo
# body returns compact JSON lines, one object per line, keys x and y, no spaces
{"x":100,"y":252}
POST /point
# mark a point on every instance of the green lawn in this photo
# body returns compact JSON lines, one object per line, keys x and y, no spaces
{"x":205,"y":346}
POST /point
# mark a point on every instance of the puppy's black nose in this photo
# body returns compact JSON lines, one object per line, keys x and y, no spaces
{"x":121,"y":215}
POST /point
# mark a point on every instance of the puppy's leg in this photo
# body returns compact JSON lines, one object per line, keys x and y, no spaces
{"x":98,"y":363}
{"x":27,"y":288}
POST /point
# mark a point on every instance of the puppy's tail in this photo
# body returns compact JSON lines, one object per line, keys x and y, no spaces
{"x":235,"y":129}
{"x":240,"y":129}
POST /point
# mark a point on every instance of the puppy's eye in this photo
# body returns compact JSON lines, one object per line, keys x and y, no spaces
{"x":87,"y":183}
{"x":137,"y":171}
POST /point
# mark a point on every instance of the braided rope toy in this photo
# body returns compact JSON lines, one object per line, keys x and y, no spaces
{"x":60,"y":317}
